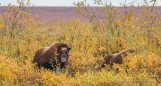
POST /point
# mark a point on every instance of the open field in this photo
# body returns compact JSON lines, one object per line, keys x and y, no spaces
{"x":47,"y":14}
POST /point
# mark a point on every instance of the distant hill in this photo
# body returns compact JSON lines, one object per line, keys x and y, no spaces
{"x":66,"y":13}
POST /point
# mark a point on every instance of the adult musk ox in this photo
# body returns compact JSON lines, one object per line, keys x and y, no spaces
{"x":115,"y":58}
{"x":52,"y":56}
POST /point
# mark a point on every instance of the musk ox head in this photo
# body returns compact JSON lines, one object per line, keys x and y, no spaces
{"x":63,"y":54}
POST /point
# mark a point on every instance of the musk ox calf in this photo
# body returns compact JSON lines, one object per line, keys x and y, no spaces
{"x":115,"y":58}
{"x":52,"y":56}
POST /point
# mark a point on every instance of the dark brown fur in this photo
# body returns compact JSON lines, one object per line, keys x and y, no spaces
{"x":115,"y":58}
{"x":51,"y":56}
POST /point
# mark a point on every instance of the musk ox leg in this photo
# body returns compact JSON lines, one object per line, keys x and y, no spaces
{"x":117,"y":69}
{"x":54,"y":67}
{"x":100,"y":67}
{"x":62,"y":66}
{"x":49,"y":66}
{"x":127,"y":67}
{"x":104,"y":66}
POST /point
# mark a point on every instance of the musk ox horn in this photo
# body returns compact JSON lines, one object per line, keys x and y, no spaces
{"x":56,"y":50}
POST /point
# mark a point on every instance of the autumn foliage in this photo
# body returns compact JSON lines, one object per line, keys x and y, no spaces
{"x":21,"y":35}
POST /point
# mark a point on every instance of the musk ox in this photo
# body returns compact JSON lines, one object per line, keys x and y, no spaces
{"x":115,"y":58}
{"x":52,"y":56}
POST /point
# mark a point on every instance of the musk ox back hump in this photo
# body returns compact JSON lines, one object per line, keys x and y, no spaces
{"x":39,"y":52}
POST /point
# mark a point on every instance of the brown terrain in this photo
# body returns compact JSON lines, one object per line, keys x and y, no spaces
{"x":47,"y":14}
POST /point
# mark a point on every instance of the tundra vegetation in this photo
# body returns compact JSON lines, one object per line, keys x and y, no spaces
{"x":21,"y":35}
